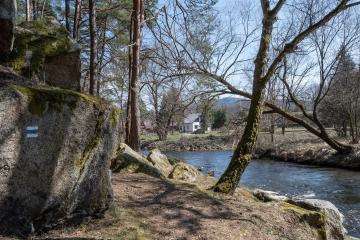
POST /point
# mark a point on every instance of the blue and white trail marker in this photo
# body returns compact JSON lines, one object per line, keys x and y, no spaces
{"x":32,"y":132}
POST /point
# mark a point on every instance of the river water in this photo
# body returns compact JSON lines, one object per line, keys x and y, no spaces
{"x":341,"y":187}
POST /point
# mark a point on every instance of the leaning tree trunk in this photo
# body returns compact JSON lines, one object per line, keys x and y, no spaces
{"x":242,"y":154}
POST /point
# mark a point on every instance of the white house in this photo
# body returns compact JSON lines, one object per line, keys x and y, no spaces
{"x":192,"y":123}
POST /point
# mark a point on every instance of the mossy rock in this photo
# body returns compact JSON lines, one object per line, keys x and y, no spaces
{"x":185,"y":172}
{"x":130,"y":161}
{"x":34,"y":42}
{"x":42,"y":100}
{"x":316,"y":219}
{"x":160,"y":161}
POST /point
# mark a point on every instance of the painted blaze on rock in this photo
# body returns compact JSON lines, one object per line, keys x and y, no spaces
{"x":55,"y":151}
{"x":7,"y":25}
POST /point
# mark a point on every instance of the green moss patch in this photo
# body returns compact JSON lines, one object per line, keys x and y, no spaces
{"x":316,"y":219}
{"x":115,"y":115}
{"x":42,"y":100}
{"x":94,"y":141}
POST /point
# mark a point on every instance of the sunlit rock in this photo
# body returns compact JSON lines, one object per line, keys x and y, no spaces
{"x":160,"y":161}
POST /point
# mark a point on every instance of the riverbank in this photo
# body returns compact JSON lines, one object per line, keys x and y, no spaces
{"x":150,"y":205}
{"x":308,"y":150}
{"x":296,"y":145}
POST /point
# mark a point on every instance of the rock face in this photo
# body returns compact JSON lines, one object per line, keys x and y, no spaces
{"x":44,"y":53}
{"x":55,"y":152}
{"x":7,"y":25}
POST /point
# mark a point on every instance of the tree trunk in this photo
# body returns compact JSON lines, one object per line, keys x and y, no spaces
{"x":242,"y":154}
{"x":67,"y":15}
{"x":134,"y":141}
{"x":93,"y":46}
{"x":344,"y":128}
{"x":283,"y":127}
{"x":101,"y":59}
{"x":76,"y":18}
{"x":34,"y":9}
{"x":128,"y":104}
{"x":28,"y":12}
{"x":162,"y":134}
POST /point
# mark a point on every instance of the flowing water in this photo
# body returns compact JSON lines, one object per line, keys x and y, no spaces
{"x":341,"y":187}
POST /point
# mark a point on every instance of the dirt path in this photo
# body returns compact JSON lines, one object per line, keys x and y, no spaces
{"x":149,"y":208}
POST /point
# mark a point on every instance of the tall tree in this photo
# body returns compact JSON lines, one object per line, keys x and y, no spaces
{"x":67,"y":15}
{"x":93,"y":46}
{"x":28,"y":10}
{"x":34,"y":9}
{"x":76,"y":18}
{"x":138,"y":19}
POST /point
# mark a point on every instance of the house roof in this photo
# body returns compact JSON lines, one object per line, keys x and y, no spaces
{"x":191,"y":117}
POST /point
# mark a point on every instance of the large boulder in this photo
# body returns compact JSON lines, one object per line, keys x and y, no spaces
{"x":55,"y":152}
{"x":185,"y":172}
{"x":130,"y":161}
{"x":320,"y":214}
{"x":7,"y":25}
{"x":333,"y":219}
{"x":44,"y":53}
{"x":160,"y":161}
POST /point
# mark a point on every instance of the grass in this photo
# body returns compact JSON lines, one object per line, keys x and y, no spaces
{"x":294,"y":138}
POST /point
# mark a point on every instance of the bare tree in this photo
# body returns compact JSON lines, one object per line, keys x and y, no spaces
{"x":222,"y":64}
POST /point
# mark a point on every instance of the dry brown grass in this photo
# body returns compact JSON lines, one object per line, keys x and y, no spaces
{"x":149,"y":208}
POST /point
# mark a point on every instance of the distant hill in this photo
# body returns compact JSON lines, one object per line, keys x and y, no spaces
{"x":232,"y":102}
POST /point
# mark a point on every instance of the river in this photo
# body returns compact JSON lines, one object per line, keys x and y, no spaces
{"x":341,"y":187}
